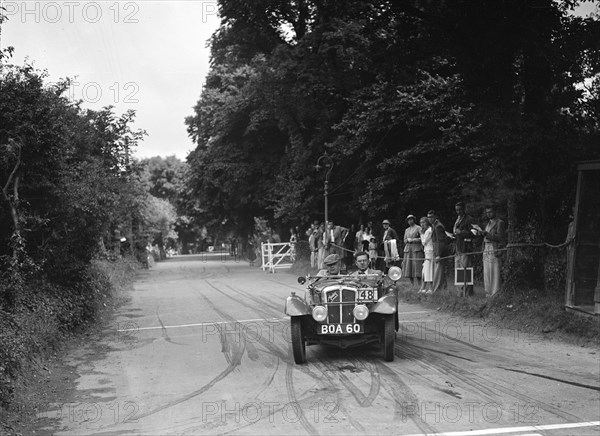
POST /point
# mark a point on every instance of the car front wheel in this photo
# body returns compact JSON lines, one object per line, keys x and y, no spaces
{"x":298,"y":342}
{"x":389,"y":337}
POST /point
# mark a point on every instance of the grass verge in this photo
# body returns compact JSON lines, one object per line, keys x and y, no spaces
{"x":33,"y":334}
{"x":528,"y":311}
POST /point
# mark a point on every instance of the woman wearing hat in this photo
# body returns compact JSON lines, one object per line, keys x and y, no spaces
{"x":412,"y":264}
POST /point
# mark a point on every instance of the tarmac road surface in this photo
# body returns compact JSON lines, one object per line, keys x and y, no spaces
{"x":203,"y":347}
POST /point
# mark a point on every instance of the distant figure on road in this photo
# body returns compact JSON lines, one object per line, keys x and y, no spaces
{"x":251,"y":250}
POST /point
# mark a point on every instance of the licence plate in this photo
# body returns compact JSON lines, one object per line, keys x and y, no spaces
{"x":367,"y":294}
{"x":341,"y":329}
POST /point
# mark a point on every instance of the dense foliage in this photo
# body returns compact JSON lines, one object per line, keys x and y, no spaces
{"x":73,"y":202}
{"x":419,"y":103}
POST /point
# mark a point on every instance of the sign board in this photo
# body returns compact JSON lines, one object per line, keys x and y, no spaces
{"x":463,"y":276}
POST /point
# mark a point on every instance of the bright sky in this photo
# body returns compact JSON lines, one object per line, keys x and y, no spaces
{"x":146,"y":55}
{"x":150,"y":56}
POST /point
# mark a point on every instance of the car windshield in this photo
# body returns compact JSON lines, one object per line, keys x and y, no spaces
{"x":367,"y":279}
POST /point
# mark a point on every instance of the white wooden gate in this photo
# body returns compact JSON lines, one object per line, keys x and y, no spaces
{"x":276,"y":255}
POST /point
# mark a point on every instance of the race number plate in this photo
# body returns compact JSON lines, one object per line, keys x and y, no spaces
{"x":367,"y":294}
{"x":341,"y":329}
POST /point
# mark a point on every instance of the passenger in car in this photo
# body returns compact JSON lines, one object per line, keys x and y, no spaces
{"x":362,"y":263}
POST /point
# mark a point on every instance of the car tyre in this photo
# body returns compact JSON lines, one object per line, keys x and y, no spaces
{"x":298,"y":342}
{"x":389,"y":337}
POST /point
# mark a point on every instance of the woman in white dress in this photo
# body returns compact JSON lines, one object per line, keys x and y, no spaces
{"x":427,"y":243}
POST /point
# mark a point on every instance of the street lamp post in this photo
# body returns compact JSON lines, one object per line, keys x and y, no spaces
{"x":328,"y":164}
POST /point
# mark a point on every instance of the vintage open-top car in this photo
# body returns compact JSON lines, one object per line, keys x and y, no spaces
{"x":346,"y":311}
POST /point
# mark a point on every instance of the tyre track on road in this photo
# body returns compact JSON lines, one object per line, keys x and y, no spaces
{"x":403,"y":395}
{"x":352,"y":389}
{"x":478,"y":384}
{"x":281,"y":354}
{"x":232,"y":354}
{"x":277,"y":310}
{"x":334,"y":390}
{"x":326,"y":369}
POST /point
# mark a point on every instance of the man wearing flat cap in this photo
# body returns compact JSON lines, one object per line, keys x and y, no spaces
{"x":333,"y":265}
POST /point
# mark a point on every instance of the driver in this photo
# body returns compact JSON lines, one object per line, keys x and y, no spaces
{"x":362,"y":263}
{"x":333,"y":264}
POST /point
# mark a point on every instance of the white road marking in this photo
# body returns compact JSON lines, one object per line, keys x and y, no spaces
{"x":501,"y":430}
{"x":229,"y":322}
{"x":204,"y":323}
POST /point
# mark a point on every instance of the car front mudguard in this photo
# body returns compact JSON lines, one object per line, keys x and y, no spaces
{"x":296,"y":306}
{"x":386,"y":305}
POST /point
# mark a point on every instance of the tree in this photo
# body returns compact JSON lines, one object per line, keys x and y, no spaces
{"x":164,"y":176}
{"x":420,"y":104}
{"x":64,"y":175}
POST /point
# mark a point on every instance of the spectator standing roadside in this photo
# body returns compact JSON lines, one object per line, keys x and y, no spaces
{"x":372,"y":253}
{"x":389,"y":242}
{"x":312,"y":243}
{"x":358,"y":241}
{"x":366,"y":239}
{"x":334,"y":238}
{"x":293,"y":244}
{"x":412,"y":264}
{"x":463,"y":245}
{"x":425,"y":234}
{"x":312,"y":228}
{"x":440,"y":249}
{"x":321,"y":248}
{"x":493,"y":239}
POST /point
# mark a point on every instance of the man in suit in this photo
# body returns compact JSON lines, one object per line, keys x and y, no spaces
{"x":463,"y":245}
{"x":362,"y":263}
{"x":334,"y":238}
{"x":313,"y":235}
{"x":494,"y":237}
{"x":440,"y":249}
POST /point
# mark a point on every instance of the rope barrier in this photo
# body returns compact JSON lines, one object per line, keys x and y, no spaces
{"x":508,"y":247}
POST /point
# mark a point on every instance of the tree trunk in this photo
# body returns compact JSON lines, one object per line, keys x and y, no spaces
{"x":13,"y":203}
{"x":511,"y":210}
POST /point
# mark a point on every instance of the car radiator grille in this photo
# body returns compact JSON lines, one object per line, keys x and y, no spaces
{"x":340,"y":302}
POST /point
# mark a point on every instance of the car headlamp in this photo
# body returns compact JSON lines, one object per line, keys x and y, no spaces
{"x":394,"y":273}
{"x":360,"y":312}
{"x":319,"y":313}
